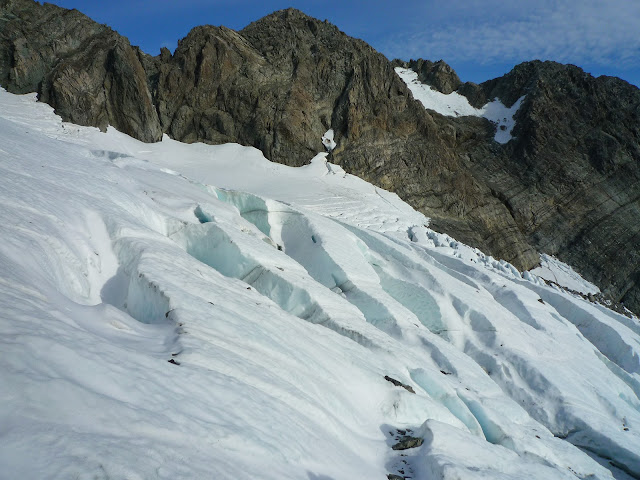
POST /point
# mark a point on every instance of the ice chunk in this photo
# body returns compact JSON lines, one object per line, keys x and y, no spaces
{"x":327,"y":140}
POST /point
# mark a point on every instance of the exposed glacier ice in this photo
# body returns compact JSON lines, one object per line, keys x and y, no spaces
{"x":282,"y":297}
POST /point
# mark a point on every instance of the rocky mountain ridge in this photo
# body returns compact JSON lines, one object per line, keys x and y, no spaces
{"x":566,"y":185}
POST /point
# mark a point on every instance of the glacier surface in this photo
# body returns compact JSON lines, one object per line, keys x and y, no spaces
{"x":193,"y":311}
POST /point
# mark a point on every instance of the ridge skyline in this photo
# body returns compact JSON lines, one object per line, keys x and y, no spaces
{"x":576,"y":41}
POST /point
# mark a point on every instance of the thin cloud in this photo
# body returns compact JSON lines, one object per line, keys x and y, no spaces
{"x":576,"y":31}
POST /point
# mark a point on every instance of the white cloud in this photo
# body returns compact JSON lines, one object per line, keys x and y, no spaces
{"x":491,"y":31}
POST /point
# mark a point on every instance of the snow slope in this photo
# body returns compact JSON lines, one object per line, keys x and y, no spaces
{"x":456,"y":105}
{"x":558,"y":272}
{"x":190,"y":311}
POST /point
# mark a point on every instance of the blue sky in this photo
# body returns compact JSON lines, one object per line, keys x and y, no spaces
{"x":480,"y":39}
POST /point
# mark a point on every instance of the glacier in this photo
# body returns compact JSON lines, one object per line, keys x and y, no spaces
{"x":195,"y":311}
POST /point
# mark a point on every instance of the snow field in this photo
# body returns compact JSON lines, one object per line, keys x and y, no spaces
{"x":456,"y":105}
{"x":283,"y":296}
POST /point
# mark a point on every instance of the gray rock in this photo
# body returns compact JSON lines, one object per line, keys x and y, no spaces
{"x":571,"y":179}
{"x":398,"y":383}
{"x":278,"y":85}
{"x":383,"y":135}
{"x":86,"y":71}
{"x":439,"y":75}
{"x":408,"y":442}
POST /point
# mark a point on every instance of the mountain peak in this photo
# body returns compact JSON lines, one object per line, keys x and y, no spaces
{"x":293,"y":29}
{"x":437,"y":74}
{"x":288,"y":15}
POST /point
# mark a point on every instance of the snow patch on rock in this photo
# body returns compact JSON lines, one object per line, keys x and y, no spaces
{"x":328,"y":141}
{"x":456,"y":105}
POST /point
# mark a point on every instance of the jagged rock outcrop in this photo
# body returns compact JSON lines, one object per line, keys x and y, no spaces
{"x":566,"y":185}
{"x":571,"y":177}
{"x":437,"y":74}
{"x":284,"y":80}
{"x":383,"y":135}
{"x":90,"y":74}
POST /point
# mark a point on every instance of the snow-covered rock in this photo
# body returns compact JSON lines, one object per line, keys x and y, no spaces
{"x":456,"y":105}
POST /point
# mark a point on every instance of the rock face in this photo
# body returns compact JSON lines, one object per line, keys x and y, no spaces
{"x":571,"y":178}
{"x":439,"y":75}
{"x":383,"y":135}
{"x":86,"y":71}
{"x":566,"y":185}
